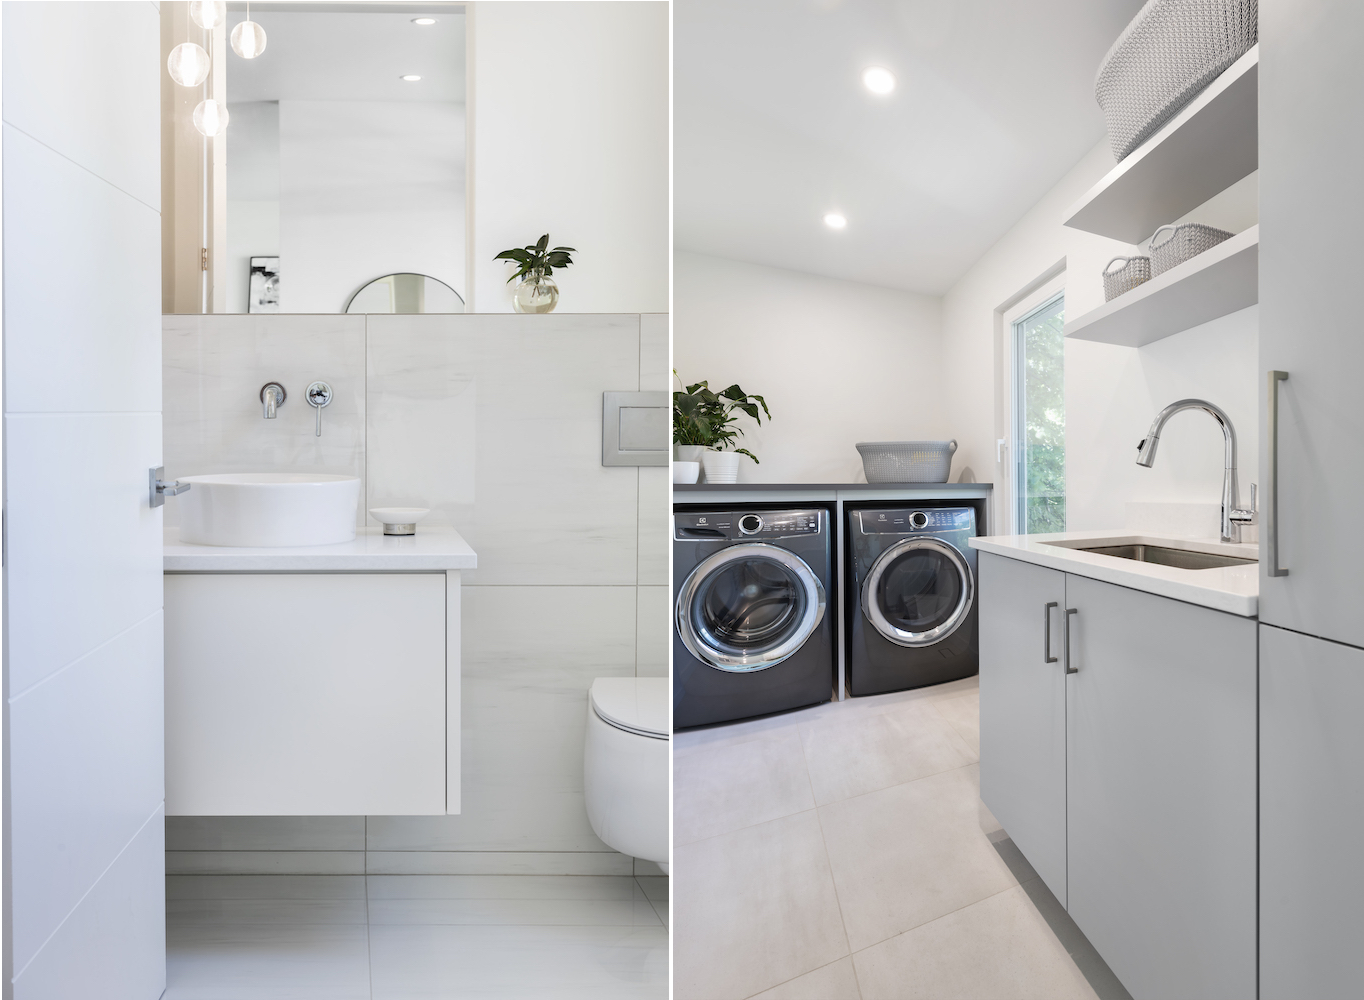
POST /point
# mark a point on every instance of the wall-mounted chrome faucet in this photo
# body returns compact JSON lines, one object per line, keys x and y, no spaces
{"x":1233,"y":517}
{"x":319,"y":395}
{"x":272,"y":396}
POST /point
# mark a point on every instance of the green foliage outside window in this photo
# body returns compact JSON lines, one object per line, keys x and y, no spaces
{"x":1040,"y":343}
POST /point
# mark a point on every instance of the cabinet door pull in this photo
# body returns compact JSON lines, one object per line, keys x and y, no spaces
{"x":1066,"y":647}
{"x":1046,"y":633}
{"x":1271,"y":514}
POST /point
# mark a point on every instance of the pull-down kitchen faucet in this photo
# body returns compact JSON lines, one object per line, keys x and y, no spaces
{"x":1232,"y":516}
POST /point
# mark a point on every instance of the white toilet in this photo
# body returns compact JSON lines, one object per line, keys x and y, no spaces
{"x":625,"y":765}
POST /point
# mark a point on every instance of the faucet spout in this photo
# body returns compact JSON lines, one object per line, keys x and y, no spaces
{"x":1232,"y":516}
{"x":272,"y":394}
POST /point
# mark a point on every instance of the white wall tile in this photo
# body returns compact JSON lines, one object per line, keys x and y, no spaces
{"x":653,"y":631}
{"x":85,"y":773}
{"x":655,"y":522}
{"x":84,"y":79}
{"x":113,"y":946}
{"x":530,"y":654}
{"x":265,"y":833}
{"x":83,"y":542}
{"x":524,"y":484}
{"x":215,"y":367}
{"x":67,"y":231}
{"x":655,"y":364}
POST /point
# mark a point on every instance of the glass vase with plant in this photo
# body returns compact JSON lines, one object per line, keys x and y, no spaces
{"x":537,"y":293}
{"x":708,"y":420}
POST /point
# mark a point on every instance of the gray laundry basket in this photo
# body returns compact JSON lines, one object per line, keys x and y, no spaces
{"x":1164,"y":58}
{"x":907,"y":461}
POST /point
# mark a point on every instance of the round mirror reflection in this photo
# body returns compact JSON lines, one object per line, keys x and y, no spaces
{"x":405,"y":293}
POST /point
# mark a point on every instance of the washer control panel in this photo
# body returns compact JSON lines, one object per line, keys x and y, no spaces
{"x":753,"y":525}
{"x":905,"y":522}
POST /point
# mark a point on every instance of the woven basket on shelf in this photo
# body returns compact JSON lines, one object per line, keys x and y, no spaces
{"x":1183,"y":243}
{"x":1169,"y":52}
{"x":1134,"y":271}
{"x":907,"y":461}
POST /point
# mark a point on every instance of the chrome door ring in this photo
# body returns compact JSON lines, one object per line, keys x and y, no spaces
{"x":871,"y":608}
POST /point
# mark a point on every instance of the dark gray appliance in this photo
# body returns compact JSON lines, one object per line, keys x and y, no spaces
{"x":753,"y":632}
{"x":912,"y":603}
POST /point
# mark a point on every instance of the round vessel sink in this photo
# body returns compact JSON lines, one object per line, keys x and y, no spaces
{"x":268,"y":509}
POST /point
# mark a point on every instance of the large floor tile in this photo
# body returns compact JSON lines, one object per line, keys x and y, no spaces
{"x":962,"y":712}
{"x":637,"y":912}
{"x":576,"y":863}
{"x":428,"y":962}
{"x":263,"y":912}
{"x":564,"y":887}
{"x":1000,"y":947}
{"x":265,"y":887}
{"x":754,"y":909}
{"x":836,"y":981}
{"x":861,"y":754}
{"x":731,"y":787}
{"x":265,"y":862}
{"x":265,"y":833}
{"x":247,"y":961}
{"x":905,"y":855}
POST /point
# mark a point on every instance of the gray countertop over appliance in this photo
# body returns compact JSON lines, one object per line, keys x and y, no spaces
{"x":704,"y":492}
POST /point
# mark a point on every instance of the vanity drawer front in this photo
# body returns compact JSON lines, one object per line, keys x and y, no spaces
{"x":304,"y":694}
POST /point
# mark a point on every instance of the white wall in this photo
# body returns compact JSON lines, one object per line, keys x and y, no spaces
{"x":838,"y":363}
{"x":84,"y":896}
{"x":367,"y":188}
{"x":252,"y":193}
{"x":569,"y":115}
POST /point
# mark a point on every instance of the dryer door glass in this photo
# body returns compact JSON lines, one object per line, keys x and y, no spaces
{"x":918,"y":592}
{"x":749,"y":607}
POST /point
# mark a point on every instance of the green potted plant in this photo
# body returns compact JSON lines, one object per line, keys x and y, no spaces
{"x":537,"y":293}
{"x":705,"y":425}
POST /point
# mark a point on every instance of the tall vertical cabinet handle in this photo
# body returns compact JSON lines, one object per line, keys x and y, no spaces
{"x":1066,"y":647}
{"x":1046,"y":632}
{"x":1271,"y":517}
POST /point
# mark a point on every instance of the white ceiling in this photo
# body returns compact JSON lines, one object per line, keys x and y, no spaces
{"x":329,"y":56}
{"x":773,"y":128}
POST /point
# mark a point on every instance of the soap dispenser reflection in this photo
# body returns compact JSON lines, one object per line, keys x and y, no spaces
{"x":319,"y":395}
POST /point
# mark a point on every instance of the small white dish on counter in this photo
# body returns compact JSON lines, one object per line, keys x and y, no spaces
{"x":268,"y":509}
{"x":686,"y":473}
{"x":399,"y":520}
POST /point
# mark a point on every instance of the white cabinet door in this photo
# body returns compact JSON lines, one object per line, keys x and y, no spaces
{"x":1311,"y":212}
{"x":1311,"y":813}
{"x":305,"y":694}
{"x":1023,"y":711}
{"x":1162,"y":791}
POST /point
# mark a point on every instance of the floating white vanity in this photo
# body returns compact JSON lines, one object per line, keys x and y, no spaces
{"x":1118,"y":703}
{"x":315,"y":680}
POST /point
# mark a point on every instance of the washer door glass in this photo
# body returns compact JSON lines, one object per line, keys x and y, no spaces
{"x":749,"y":607}
{"x":918,"y":592}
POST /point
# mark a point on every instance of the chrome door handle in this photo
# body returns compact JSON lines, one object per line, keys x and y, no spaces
{"x":157,"y":491}
{"x":1271,"y":511}
{"x":1046,"y":632}
{"x":1066,"y":648}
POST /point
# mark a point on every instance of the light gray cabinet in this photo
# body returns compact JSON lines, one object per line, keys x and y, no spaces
{"x":1023,"y":710}
{"x":1129,"y":783}
{"x":1311,"y":877}
{"x":1161,"y":782}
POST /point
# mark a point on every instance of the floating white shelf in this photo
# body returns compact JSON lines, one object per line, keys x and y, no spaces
{"x":1210,"y":145}
{"x":1216,"y":282}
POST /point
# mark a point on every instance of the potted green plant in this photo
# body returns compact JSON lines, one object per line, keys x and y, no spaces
{"x":537,"y":293}
{"x":707,"y":421}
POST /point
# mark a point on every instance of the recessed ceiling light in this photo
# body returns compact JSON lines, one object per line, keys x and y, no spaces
{"x":410,"y":78}
{"x":878,"y":80}
{"x":835,"y":221}
{"x":423,"y":20}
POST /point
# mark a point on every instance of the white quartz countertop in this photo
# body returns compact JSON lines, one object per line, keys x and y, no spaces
{"x":1234,"y":589}
{"x":431,"y":549}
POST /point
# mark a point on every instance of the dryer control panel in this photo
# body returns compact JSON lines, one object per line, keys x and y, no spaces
{"x":758,"y":525}
{"x":901,"y":522}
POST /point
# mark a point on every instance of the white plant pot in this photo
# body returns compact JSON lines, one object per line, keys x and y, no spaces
{"x":686,"y":473}
{"x":721,"y":466}
{"x":688,"y":452}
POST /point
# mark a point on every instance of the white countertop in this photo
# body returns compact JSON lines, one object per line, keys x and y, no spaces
{"x":1234,"y":589}
{"x":431,"y":549}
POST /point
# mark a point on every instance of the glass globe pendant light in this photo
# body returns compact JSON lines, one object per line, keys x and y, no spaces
{"x":210,"y":117}
{"x":208,"y":14}
{"x":248,"y":39}
{"x":188,"y":64}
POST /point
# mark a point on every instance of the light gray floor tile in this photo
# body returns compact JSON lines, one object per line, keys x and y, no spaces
{"x":997,"y":947}
{"x":905,"y":855}
{"x":505,"y":962}
{"x":301,"y":961}
{"x":655,"y":886}
{"x":962,"y":713}
{"x":861,"y":754}
{"x":506,"y":912}
{"x":754,"y":908}
{"x":265,"y":887}
{"x":569,"y":887}
{"x":264,"y":912}
{"x":836,"y":981}
{"x":265,"y":833}
{"x":726,"y":788}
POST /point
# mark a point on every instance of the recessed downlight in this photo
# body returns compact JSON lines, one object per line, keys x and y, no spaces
{"x":423,"y":20}
{"x":410,"y":78}
{"x":879,"y":80}
{"x":835,"y":221}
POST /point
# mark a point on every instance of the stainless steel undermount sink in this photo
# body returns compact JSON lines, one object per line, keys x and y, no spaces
{"x":1160,"y":554}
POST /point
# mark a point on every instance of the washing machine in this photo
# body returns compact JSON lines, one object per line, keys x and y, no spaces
{"x":912,"y":603}
{"x":753,"y":627}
